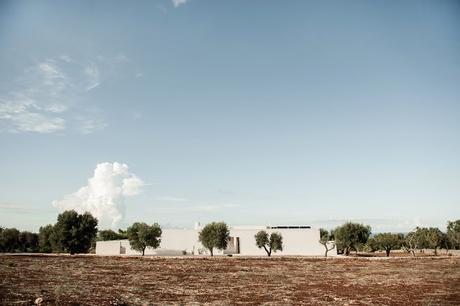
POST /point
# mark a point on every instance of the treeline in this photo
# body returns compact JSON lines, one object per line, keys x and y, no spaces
{"x":77,"y":233}
{"x":357,"y":237}
{"x":14,"y":241}
{"x":72,"y":233}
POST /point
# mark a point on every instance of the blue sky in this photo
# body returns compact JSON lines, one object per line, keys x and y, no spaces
{"x":252,"y":112}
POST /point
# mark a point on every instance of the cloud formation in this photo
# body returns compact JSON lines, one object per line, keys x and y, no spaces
{"x":47,"y":97}
{"x":104,"y":195}
{"x":176,"y":3}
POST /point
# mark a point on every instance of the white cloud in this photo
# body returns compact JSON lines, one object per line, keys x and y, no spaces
{"x":49,"y":96}
{"x":176,"y":3}
{"x":66,"y":58}
{"x":104,"y":195}
{"x":92,"y":72}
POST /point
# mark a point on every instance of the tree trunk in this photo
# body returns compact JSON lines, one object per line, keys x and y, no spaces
{"x":266,"y":250}
{"x":143,"y":251}
{"x":347,"y":251}
{"x":435,"y":251}
{"x":388,"y":252}
{"x":212,"y":253}
{"x":325,"y":252}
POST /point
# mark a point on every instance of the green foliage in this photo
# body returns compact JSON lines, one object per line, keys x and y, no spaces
{"x":9,"y":240}
{"x":351,"y":236}
{"x":215,"y":235}
{"x":48,"y":241}
{"x":141,"y":236}
{"x":386,"y":242}
{"x":425,"y":238}
{"x":433,"y":238}
{"x":271,"y":243}
{"x":28,"y":242}
{"x":453,"y":233}
{"x":326,"y":239}
{"x":106,"y":235}
{"x":12,"y":240}
{"x":75,"y":232}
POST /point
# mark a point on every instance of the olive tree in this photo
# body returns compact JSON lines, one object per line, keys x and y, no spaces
{"x":215,"y":235}
{"x":453,"y":233}
{"x":75,"y":232}
{"x":28,"y":241}
{"x":271,"y":243}
{"x":9,"y":240}
{"x":413,"y":241}
{"x":434,"y":238}
{"x":48,"y":241}
{"x":327,"y":240}
{"x":350,"y":236}
{"x":142,"y":235}
{"x":387,"y":242}
{"x":106,"y":235}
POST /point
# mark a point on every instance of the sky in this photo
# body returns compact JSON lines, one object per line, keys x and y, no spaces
{"x":247,"y":111}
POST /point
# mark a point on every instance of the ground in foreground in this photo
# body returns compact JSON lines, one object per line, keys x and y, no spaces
{"x":93,"y":280}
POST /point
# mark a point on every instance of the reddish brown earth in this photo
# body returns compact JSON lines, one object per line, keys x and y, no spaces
{"x":93,"y":280}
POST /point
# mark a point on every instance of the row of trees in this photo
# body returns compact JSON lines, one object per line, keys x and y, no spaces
{"x":354,"y":236}
{"x":77,"y":233}
{"x":12,"y":240}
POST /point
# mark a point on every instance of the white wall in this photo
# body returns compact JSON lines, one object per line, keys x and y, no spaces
{"x":295,"y":241}
{"x":176,"y":241}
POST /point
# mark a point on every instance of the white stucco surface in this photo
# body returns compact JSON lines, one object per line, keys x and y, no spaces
{"x":174,"y":242}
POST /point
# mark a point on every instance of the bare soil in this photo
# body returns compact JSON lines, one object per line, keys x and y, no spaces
{"x":95,"y":280}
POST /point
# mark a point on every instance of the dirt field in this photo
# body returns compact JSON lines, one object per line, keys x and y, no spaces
{"x":92,"y":280}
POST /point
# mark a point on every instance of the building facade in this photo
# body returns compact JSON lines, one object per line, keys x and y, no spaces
{"x":297,"y":241}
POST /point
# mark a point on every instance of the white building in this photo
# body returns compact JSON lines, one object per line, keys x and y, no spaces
{"x":297,"y":240}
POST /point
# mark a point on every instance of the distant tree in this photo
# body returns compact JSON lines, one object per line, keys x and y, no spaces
{"x":123,"y":234}
{"x":446,"y":243}
{"x":9,"y":240}
{"x":48,"y":241}
{"x":351,"y":236}
{"x":434,"y":238}
{"x":141,"y":236}
{"x":388,"y":241}
{"x":424,"y":238}
{"x":453,"y":233}
{"x":215,"y":235}
{"x":106,"y":235}
{"x":412,"y":242}
{"x":75,"y":232}
{"x":371,"y":245}
{"x":327,"y":240}
{"x":28,"y":241}
{"x":270,"y":243}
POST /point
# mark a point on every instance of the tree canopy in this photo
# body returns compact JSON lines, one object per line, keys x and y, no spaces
{"x":109,"y":234}
{"x":215,"y":235}
{"x":350,"y":236}
{"x":142,"y":235}
{"x":387,"y":242}
{"x":75,"y":232}
{"x":453,"y":233}
{"x":327,"y":240}
{"x":270,"y":243}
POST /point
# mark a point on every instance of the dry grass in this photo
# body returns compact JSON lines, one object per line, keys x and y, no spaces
{"x":93,"y":280}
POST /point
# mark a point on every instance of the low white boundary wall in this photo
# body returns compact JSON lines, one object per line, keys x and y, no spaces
{"x":174,"y":242}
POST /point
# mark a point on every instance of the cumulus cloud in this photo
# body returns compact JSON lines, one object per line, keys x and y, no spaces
{"x":104,"y":195}
{"x":176,"y":3}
